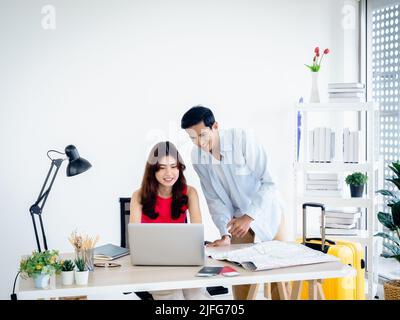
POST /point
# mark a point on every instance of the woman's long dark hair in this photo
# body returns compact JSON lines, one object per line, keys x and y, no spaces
{"x":150,"y":184}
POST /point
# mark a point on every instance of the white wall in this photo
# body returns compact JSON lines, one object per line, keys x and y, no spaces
{"x":114,"y":77}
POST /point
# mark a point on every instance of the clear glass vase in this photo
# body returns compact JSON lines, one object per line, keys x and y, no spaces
{"x":88,"y":256}
{"x":314,"y":98}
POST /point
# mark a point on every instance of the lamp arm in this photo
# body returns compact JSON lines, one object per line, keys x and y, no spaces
{"x":37,"y":207}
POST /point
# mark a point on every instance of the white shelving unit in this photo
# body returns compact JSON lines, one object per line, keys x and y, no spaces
{"x":367,"y":114}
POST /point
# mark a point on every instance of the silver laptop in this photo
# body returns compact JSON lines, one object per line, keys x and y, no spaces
{"x":166,"y":244}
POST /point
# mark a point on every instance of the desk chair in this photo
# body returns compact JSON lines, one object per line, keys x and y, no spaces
{"x":124,"y":204}
{"x":125,"y":213}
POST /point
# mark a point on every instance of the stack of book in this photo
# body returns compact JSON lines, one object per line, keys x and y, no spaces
{"x":346,"y":92}
{"x":342,"y":221}
{"x":322,"y":144}
{"x":351,"y":146}
{"x":323,"y":185}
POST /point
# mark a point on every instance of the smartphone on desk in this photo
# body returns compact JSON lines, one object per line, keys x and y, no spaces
{"x":228,"y":271}
{"x":208,"y":271}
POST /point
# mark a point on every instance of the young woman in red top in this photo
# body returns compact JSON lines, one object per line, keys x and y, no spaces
{"x":164,"y":197}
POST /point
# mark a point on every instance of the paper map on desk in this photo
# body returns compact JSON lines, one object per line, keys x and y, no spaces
{"x":270,"y":255}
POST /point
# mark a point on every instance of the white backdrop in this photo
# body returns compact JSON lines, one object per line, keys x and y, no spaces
{"x":115,"y":77}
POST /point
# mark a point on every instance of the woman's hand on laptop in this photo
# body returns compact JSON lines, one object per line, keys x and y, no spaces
{"x":224,"y":241}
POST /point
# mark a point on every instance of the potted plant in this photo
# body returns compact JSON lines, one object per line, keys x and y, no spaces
{"x":392,"y":222}
{"x":40,"y":266}
{"x":67,"y":272}
{"x":356,"y":181}
{"x":81,"y":274}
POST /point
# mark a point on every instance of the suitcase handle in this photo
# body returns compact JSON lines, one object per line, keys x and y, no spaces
{"x":314,"y":205}
{"x":326,"y":240}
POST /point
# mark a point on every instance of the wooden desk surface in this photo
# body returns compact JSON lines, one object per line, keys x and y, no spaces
{"x":129,"y":278}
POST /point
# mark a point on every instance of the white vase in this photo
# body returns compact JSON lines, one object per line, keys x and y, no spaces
{"x":67,"y":278}
{"x":81,"y":277}
{"x":42,"y":281}
{"x":314,"y":98}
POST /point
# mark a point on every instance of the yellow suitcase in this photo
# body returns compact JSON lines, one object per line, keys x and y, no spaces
{"x":358,"y":264}
{"x":351,"y":253}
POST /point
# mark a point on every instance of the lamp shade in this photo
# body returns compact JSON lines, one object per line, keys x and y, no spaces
{"x":76,"y":164}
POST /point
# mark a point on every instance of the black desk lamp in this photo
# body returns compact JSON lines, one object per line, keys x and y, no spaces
{"x":76,"y":165}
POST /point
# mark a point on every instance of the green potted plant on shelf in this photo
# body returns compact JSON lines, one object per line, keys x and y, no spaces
{"x":81,"y":272}
{"x":356,"y":181}
{"x":40,"y":266}
{"x":67,"y":272}
{"x":392,"y":222}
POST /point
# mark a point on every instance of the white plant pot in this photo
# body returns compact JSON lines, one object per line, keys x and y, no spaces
{"x":41,"y":281}
{"x":67,"y":278}
{"x":82,"y":277}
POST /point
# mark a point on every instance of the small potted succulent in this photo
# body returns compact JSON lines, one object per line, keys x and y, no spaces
{"x":67,"y":272}
{"x":40,"y":266}
{"x":356,"y":181}
{"x":81,"y":272}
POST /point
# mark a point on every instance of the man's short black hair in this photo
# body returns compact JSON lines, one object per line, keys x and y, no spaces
{"x":197,"y":114}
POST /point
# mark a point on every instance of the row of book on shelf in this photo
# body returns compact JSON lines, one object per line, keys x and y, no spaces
{"x":346,"y":92}
{"x":322,"y":145}
{"x":344,"y":221}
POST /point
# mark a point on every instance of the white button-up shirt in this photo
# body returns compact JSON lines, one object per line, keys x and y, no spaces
{"x":247,"y":188}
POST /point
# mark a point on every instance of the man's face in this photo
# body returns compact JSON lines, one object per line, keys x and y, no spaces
{"x":202,"y":136}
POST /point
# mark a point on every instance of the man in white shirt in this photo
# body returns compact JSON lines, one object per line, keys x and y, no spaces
{"x":240,"y":193}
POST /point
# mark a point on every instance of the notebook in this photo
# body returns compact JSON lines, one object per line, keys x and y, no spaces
{"x":110,"y":252}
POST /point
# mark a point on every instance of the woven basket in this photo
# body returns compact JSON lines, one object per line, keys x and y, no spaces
{"x":392,"y":290}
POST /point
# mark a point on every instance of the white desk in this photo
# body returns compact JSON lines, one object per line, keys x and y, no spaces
{"x":128,"y":278}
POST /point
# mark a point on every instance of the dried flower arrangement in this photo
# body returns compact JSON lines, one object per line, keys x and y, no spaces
{"x":82,"y":242}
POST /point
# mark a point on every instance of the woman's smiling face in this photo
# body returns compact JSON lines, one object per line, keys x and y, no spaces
{"x":168,"y":172}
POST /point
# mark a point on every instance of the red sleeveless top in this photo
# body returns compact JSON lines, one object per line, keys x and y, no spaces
{"x":163,"y":208}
